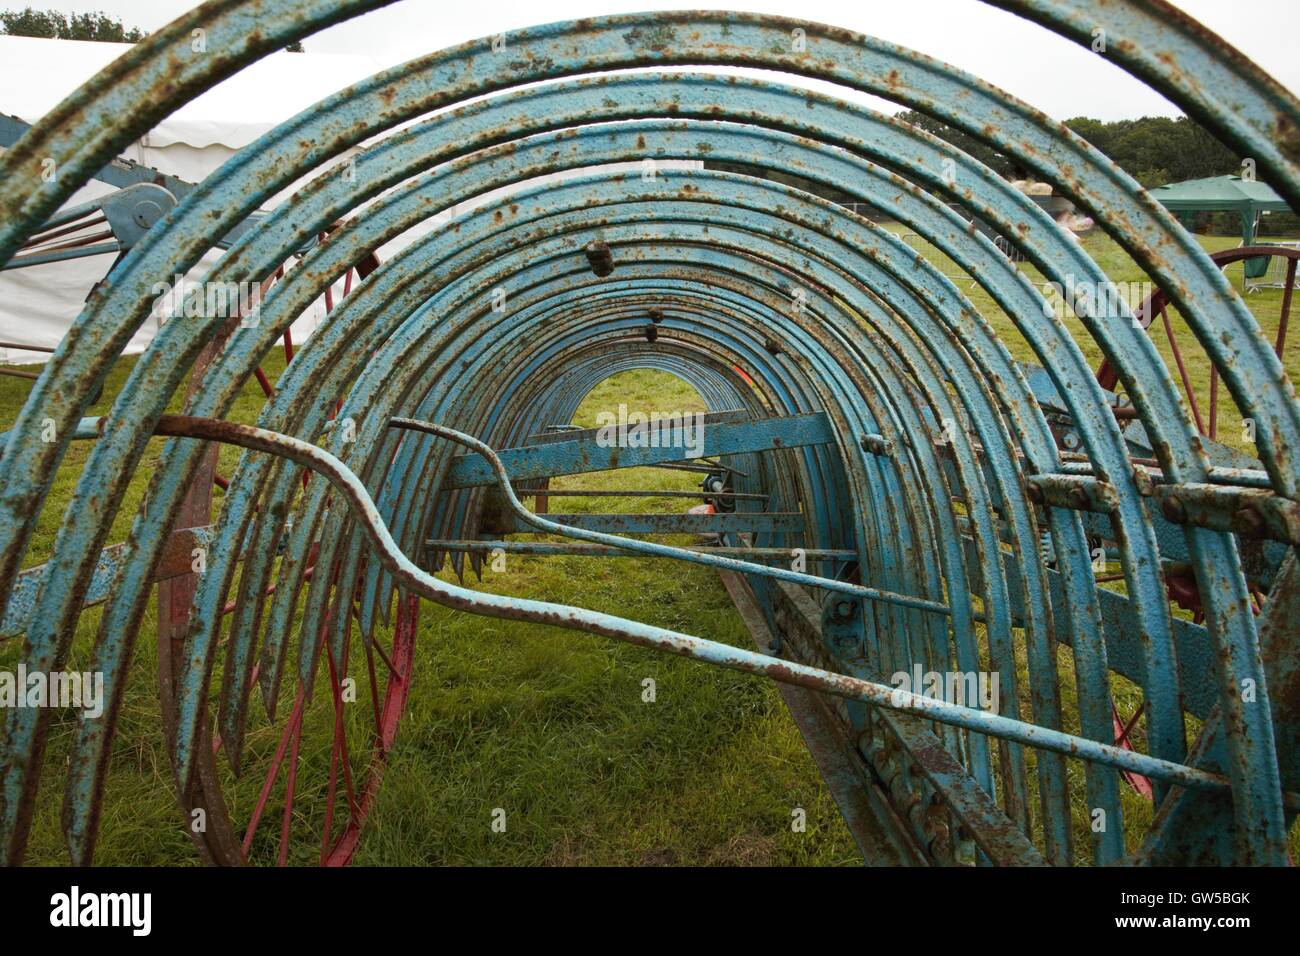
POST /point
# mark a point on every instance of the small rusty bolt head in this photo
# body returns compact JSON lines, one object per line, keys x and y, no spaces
{"x":1173,"y":509}
{"x":600,"y":258}
{"x":1079,"y":499}
{"x":655,"y":316}
{"x":877,"y":445}
{"x":651,"y":333}
{"x":1035,"y":493}
{"x":1248,"y":522}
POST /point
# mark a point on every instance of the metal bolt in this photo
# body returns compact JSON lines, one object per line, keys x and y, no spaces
{"x":1035,"y":493}
{"x":877,"y":445}
{"x":600,"y":258}
{"x":1079,"y":499}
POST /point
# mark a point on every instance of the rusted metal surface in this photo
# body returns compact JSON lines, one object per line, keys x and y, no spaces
{"x":863,"y":412}
{"x":880,"y":834}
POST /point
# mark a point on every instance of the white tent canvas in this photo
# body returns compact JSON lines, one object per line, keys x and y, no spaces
{"x":38,"y":303}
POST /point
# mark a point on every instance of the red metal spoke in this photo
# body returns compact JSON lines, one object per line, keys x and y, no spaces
{"x":339,"y":753}
{"x":337,"y":683}
{"x":1122,"y":731}
{"x":371,"y":642}
{"x":287,"y":817}
{"x":274,"y":771}
{"x":370,"y":647}
{"x":1124,"y":736}
{"x":1285,"y":315}
{"x":1182,"y":367}
{"x":1214,"y":401}
{"x":264,"y":382}
{"x":330,"y":795}
{"x":394,"y":704}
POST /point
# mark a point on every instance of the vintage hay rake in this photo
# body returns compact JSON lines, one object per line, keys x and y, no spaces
{"x":863,"y":410}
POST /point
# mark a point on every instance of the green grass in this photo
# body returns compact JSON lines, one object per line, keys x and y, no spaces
{"x":548,"y":725}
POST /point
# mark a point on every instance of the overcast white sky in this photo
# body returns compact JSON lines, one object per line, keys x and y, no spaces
{"x":1051,"y":73}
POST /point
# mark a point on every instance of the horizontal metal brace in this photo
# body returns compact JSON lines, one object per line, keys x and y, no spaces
{"x":1146,"y":470}
{"x":584,"y":549}
{"x":573,"y":457}
{"x":760,"y":521}
{"x":547,"y":526}
{"x":177,"y":559}
{"x":646,"y":493}
{"x":1149,"y":474}
{"x":1249,"y":512}
{"x":1076,"y":492}
{"x":574,"y":433}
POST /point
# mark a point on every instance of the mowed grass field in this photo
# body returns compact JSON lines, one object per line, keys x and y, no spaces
{"x":550,"y":726}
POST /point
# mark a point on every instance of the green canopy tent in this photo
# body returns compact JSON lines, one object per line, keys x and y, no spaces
{"x":1246,"y":197}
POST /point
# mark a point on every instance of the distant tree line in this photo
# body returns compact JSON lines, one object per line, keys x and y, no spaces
{"x":1154,"y":150}
{"x":98,"y":25}
{"x":52,"y":25}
